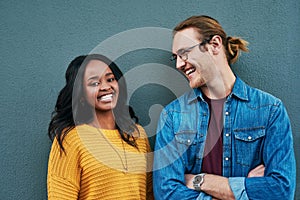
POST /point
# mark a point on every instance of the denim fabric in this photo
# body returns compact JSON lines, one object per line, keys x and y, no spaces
{"x":256,"y":131}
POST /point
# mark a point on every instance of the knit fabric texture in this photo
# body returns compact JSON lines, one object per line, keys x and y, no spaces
{"x":98,"y":164}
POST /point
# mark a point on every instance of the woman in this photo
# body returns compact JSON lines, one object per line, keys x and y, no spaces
{"x":98,"y":151}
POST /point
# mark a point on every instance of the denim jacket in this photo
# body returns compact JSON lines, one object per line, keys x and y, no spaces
{"x":256,"y":131}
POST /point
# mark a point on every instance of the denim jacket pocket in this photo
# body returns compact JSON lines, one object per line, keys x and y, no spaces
{"x":188,"y":145}
{"x":186,"y":137}
{"x":248,"y":145}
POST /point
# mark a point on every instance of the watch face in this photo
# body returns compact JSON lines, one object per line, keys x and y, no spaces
{"x":197,"y":179}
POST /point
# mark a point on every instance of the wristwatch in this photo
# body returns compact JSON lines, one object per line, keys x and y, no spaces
{"x":198,"y":181}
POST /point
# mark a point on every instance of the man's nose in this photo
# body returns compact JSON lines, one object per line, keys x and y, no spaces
{"x":180,"y":64}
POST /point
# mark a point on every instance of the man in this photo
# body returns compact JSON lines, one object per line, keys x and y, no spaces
{"x":223,"y":139}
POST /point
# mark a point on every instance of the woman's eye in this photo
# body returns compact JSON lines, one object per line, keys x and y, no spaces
{"x":111,"y":79}
{"x":94,"y":84}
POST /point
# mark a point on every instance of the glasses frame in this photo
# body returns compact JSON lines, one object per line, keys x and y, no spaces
{"x":183,"y":53}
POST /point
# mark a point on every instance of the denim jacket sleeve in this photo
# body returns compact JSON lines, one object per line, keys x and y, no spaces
{"x":237,"y":185}
{"x":279,"y":160}
{"x":169,"y":166}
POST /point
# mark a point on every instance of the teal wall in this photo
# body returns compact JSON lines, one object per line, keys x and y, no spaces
{"x":39,"y":38}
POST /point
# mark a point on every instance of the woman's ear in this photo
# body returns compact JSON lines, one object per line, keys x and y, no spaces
{"x":216,"y":44}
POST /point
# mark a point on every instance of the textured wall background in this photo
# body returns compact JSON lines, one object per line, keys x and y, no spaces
{"x":39,"y":38}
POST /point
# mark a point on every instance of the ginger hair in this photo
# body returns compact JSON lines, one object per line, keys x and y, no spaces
{"x":207,"y":27}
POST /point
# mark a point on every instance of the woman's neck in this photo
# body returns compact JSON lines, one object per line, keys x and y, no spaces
{"x":104,"y":121}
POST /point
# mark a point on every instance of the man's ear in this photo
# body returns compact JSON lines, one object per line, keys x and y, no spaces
{"x":216,"y":44}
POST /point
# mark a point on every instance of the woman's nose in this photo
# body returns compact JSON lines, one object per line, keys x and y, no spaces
{"x":104,"y":86}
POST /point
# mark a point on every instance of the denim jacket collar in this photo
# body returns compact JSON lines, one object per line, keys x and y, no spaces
{"x":239,"y":90}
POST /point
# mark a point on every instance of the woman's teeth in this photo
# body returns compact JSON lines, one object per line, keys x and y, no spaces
{"x":107,"y":97}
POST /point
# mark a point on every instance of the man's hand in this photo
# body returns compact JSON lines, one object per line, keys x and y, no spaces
{"x":258,"y":171}
{"x":216,"y":186}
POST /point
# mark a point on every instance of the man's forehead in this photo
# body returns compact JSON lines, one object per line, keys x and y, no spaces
{"x":185,"y":38}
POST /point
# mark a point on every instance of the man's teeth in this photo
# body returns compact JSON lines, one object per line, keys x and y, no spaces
{"x":189,"y":71}
{"x":106,"y":97}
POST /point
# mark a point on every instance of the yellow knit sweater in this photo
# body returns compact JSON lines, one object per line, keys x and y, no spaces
{"x":94,"y":166}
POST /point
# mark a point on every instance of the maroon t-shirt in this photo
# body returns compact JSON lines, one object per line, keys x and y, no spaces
{"x":213,"y":152}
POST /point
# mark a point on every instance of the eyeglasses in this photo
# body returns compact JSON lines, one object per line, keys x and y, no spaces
{"x":183,"y":53}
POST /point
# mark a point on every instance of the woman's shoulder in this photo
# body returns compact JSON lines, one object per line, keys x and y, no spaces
{"x":72,"y":137}
{"x":140,"y":128}
{"x":142,"y":139}
{"x":141,"y":132}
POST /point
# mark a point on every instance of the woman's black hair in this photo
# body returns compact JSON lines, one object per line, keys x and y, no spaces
{"x":70,"y":110}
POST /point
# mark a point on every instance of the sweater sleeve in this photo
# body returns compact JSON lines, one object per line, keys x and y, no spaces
{"x":150,"y":195}
{"x":149,"y":157}
{"x":63,"y":181}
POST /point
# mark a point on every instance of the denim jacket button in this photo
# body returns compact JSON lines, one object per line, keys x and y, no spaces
{"x":249,"y":137}
{"x":226,"y":113}
{"x":226,"y":158}
{"x":227,"y":134}
{"x":188,"y":141}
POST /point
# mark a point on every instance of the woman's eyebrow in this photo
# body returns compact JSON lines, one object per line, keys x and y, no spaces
{"x":96,"y":77}
{"x":93,"y":78}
